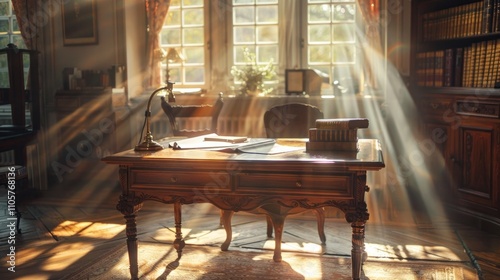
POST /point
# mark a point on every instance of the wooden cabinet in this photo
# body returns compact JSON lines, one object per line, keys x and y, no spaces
{"x":455,"y":64}
{"x":88,"y":128}
{"x":466,"y":132}
{"x":475,"y":157}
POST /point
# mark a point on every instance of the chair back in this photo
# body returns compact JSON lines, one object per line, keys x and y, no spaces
{"x":176,"y":112}
{"x":291,"y":120}
{"x":20,"y":90}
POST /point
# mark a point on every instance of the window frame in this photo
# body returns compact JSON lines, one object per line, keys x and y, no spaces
{"x":292,"y":47}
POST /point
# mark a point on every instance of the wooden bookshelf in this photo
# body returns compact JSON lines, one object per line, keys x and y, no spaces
{"x":455,"y":82}
{"x":458,"y":43}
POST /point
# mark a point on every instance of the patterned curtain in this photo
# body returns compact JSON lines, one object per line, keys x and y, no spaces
{"x":26,"y":14}
{"x":371,"y":16}
{"x":156,"y":12}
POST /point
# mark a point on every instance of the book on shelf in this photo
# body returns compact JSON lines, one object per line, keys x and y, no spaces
{"x":467,"y":67}
{"x":487,"y":16}
{"x":438,"y":68}
{"x":458,"y":71}
{"x":342,"y":123}
{"x":448,"y":67}
{"x":429,"y":68}
{"x":496,"y":64}
{"x":488,"y":61}
{"x":496,"y":15}
{"x":479,"y":73}
{"x":421,"y":69}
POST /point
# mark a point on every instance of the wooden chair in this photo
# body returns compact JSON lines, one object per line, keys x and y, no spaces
{"x":19,"y":91}
{"x":293,"y":121}
{"x":175,"y":112}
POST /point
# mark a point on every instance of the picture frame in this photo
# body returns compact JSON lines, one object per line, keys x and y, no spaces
{"x":295,"y":81}
{"x":79,"y":22}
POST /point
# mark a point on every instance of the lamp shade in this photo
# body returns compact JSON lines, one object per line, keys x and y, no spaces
{"x":173,"y":56}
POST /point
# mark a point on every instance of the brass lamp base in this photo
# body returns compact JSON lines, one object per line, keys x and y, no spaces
{"x":148,"y":144}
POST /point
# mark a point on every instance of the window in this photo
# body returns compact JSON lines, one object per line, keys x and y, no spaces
{"x":318,"y":34}
{"x":9,"y":30}
{"x":255,"y":27}
{"x":184,"y":30}
{"x":9,"y":33}
{"x":330,"y":44}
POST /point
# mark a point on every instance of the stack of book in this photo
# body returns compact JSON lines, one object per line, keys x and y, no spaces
{"x":335,"y":134}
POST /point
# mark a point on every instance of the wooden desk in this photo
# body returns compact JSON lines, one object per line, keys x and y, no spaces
{"x":277,"y":184}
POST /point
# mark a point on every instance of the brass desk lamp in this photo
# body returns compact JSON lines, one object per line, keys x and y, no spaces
{"x":149,"y":144}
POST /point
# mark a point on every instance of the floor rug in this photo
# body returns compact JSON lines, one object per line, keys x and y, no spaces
{"x":159,"y":261}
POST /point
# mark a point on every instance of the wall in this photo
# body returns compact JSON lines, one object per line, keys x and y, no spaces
{"x":109,"y":50}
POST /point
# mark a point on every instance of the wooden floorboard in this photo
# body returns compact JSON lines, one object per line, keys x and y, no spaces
{"x":59,"y":235}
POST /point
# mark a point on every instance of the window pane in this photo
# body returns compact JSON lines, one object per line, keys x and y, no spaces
{"x":193,"y":17}
{"x":173,"y":18}
{"x":175,"y":3}
{"x":195,"y":55}
{"x":174,"y":74}
{"x":4,"y":9}
{"x":344,"y":32}
{"x":318,"y":13}
{"x":266,"y":53}
{"x":193,"y":35}
{"x":195,"y":75}
{"x":243,"y":15}
{"x":239,"y":57}
{"x":319,"y":34}
{"x":319,"y":54}
{"x":170,"y":37}
{"x":244,"y":35}
{"x":15,"y":26}
{"x":4,"y":40}
{"x":267,"y":14}
{"x":267,"y":34}
{"x":344,"y":12}
{"x":4,"y":26}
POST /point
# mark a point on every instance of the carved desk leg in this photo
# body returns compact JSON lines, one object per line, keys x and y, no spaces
{"x":179,"y":241}
{"x":320,"y":217}
{"x":226,"y":218}
{"x":129,"y":207}
{"x":278,"y":222}
{"x":358,"y":248}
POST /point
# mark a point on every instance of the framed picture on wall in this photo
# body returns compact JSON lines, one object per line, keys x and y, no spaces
{"x":79,"y":22}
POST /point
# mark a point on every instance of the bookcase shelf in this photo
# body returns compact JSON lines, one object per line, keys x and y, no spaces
{"x":456,"y":44}
{"x":455,"y":82}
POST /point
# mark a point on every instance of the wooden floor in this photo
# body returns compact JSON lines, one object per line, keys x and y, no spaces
{"x":68,"y":226}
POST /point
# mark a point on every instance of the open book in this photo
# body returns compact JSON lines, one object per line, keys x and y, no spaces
{"x":220,"y":143}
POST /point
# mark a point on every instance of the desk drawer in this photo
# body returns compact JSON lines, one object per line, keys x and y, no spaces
{"x":334,"y":185}
{"x":179,"y":180}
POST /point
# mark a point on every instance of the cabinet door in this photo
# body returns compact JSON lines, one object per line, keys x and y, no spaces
{"x":476,"y":167}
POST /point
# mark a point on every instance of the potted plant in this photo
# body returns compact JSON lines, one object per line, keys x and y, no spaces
{"x":252,"y":75}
